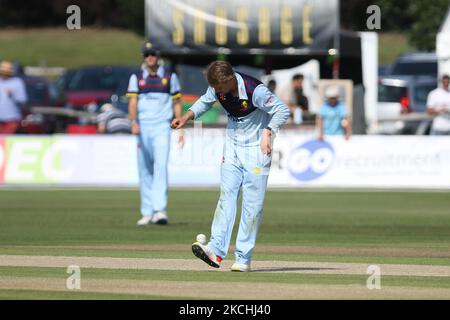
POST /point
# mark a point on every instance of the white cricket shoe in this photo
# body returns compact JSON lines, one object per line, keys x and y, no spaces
{"x":145,"y":220}
{"x":160,"y":218}
{"x":206,"y":254}
{"x":240,"y":267}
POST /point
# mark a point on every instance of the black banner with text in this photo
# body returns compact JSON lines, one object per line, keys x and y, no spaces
{"x":242,"y":27}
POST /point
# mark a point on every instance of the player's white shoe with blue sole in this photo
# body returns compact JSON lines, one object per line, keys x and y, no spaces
{"x":160,"y":218}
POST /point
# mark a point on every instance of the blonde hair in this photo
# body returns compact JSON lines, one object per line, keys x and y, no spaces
{"x":219,"y":72}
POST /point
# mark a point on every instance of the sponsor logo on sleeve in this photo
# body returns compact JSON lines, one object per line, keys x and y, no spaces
{"x":269,"y":101}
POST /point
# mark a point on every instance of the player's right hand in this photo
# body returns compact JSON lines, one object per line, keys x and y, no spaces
{"x":135,"y":128}
{"x":178,"y":123}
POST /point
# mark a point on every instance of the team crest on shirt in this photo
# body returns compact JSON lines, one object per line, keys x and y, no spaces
{"x":164,"y":81}
{"x":244,"y":105}
{"x":141,"y":83}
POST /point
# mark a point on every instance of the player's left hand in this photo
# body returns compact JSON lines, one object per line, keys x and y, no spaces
{"x":266,"y":142}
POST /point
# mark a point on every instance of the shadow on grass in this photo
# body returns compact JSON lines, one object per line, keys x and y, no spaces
{"x":287,"y":269}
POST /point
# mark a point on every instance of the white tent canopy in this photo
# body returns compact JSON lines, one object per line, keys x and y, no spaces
{"x":443,"y":46}
{"x":283,"y":77}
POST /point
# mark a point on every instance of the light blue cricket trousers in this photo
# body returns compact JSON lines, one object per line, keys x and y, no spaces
{"x":246,"y":168}
{"x":153,"y":157}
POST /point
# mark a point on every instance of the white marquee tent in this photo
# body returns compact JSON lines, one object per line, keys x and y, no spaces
{"x":443,"y":46}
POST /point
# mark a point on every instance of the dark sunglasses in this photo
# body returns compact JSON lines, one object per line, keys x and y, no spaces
{"x":153,"y":54}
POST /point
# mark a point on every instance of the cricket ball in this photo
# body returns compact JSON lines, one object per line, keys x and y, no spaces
{"x":201,"y":238}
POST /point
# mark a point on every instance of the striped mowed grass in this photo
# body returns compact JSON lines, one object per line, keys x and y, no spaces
{"x":311,"y":245}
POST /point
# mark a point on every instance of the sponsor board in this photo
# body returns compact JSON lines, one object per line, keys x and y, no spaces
{"x":297,"y":160}
{"x":70,"y":160}
{"x":363,"y":161}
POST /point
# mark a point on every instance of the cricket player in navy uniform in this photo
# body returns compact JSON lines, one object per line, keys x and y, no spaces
{"x":254,"y":117}
{"x":154,"y":100}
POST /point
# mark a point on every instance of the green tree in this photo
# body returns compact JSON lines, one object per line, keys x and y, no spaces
{"x":134,"y":15}
{"x":395,"y":15}
{"x":428,"y":18}
{"x":419,"y":19}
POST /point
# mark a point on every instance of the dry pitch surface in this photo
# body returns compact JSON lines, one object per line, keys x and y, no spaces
{"x":228,"y":290}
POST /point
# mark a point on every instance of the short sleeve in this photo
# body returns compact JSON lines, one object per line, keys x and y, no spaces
{"x":343,"y":110}
{"x":431,"y":100}
{"x":20,"y":95}
{"x":133,"y":88}
{"x":175,"y":88}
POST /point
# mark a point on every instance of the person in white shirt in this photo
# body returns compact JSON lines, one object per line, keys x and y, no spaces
{"x":438,"y":105}
{"x":13,"y":97}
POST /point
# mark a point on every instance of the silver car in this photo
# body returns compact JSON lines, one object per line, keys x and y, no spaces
{"x":402,"y":103}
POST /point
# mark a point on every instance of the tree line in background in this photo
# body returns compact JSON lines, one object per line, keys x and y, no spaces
{"x":419,"y":19}
{"x":125,"y":14}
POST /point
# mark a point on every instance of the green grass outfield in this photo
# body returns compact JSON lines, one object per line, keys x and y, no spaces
{"x":405,"y":219}
{"x":409,"y":228}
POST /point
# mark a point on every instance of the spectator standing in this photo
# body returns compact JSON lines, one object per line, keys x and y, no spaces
{"x":438,"y":104}
{"x":298,"y":103}
{"x":13,"y":98}
{"x":272,"y":85}
{"x":333,"y":116}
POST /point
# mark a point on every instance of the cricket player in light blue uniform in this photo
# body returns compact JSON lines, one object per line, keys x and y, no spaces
{"x":154,"y":99}
{"x":254,"y":116}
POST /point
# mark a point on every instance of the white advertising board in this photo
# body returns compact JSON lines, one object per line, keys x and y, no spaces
{"x":298,"y":160}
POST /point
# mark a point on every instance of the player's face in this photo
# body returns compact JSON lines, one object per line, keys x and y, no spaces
{"x":151,"y":59}
{"x":445,"y":83}
{"x":332,"y":101}
{"x":224,"y":87}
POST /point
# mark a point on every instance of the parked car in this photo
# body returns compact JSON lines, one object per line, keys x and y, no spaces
{"x":61,"y":83}
{"x":384,"y":69}
{"x":402,"y":95}
{"x":41,"y":93}
{"x":119,"y":98}
{"x":415,"y":64}
{"x":88,"y":88}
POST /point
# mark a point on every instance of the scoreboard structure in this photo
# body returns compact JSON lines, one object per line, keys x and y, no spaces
{"x":275,"y":27}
